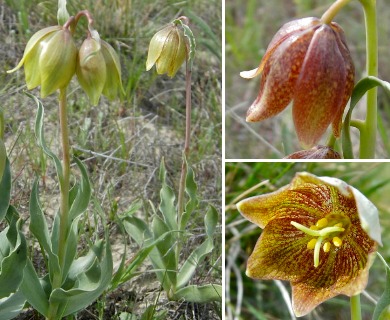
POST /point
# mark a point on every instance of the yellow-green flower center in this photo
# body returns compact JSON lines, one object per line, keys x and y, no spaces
{"x":327,"y":233}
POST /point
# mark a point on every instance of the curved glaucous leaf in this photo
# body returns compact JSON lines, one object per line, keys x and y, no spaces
{"x":200,"y":294}
{"x":5,"y":190}
{"x":88,"y":287}
{"x":80,"y":203}
{"x":33,"y":291}
{"x":13,"y":255}
{"x":359,"y":91}
{"x":40,"y":230}
{"x":10,"y":307}
{"x":39,"y":134}
{"x":167,"y":252}
{"x":383,"y":304}
{"x":192,"y":203}
{"x":167,"y":196}
{"x":3,"y":157}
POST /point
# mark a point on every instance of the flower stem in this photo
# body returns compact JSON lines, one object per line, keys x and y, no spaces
{"x":329,"y":14}
{"x":368,"y":134}
{"x":356,"y":313}
{"x":186,"y":152}
{"x":64,"y":199}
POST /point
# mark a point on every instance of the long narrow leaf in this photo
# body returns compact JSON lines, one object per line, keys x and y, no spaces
{"x":5,"y":190}
{"x":167,"y":204}
{"x":200,"y":294}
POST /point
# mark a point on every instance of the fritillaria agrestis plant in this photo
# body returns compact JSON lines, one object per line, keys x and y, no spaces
{"x":308,"y":63}
{"x":168,"y":49}
{"x":319,"y":233}
{"x":50,"y":60}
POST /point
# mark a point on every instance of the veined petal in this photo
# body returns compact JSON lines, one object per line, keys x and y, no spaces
{"x":343,"y":271}
{"x":277,"y":87}
{"x":281,"y":252}
{"x":350,"y":77}
{"x":57,"y":62}
{"x":168,"y":53}
{"x":288,"y":29}
{"x":113,"y":76}
{"x":156,"y":46}
{"x":320,"y":87}
{"x":32,"y":43}
{"x":180,"y":55}
{"x":302,"y":198}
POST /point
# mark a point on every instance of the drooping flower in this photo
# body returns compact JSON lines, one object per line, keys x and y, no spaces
{"x":317,"y":152}
{"x":167,"y":50}
{"x":319,"y":233}
{"x":49,"y":60}
{"x":307,"y":62}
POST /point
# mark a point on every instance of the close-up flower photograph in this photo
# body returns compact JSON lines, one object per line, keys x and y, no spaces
{"x":307,"y":75}
{"x":307,"y":240}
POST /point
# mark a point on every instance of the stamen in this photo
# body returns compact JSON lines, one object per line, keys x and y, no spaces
{"x":313,"y":227}
{"x":312,"y":243}
{"x":338,"y":225}
{"x":328,"y":230}
{"x":337,"y":241}
{"x":322,"y":223}
{"x":317,"y":251}
{"x":326,"y":246}
{"x":306,"y":230}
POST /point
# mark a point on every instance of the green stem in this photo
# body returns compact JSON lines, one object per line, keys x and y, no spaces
{"x":180,"y":202}
{"x":368,"y":134}
{"x":64,"y":199}
{"x":329,"y":15}
{"x":356,"y":313}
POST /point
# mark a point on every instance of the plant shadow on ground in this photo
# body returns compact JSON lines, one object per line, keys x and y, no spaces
{"x":255,"y":299}
{"x":122,"y":143}
{"x":250,"y":26}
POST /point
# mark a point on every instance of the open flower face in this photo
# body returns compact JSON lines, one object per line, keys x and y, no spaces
{"x":319,"y":233}
{"x":308,"y":62}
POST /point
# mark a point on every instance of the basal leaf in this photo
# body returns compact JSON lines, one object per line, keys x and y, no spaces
{"x":167,"y":206}
{"x":12,"y":306}
{"x":211,"y":221}
{"x":5,"y":190}
{"x":80,"y":203}
{"x":191,"y":190}
{"x":200,"y":294}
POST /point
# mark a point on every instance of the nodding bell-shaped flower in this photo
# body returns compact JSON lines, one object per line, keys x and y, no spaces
{"x":49,"y":60}
{"x":319,"y":233}
{"x":307,"y":62}
{"x":167,"y":50}
{"x":98,"y":69}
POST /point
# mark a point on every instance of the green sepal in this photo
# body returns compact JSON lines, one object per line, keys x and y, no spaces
{"x":358,"y":92}
{"x":62,"y":13}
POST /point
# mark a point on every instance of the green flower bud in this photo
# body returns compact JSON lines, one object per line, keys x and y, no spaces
{"x":49,"y":60}
{"x":167,"y":50}
{"x":98,"y":70}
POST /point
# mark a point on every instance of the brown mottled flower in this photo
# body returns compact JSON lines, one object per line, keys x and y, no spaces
{"x":319,"y":233}
{"x":317,"y":152}
{"x":308,"y":62}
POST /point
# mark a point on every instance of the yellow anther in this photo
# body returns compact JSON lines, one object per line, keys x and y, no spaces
{"x":338,"y":225}
{"x":326,"y":246}
{"x":322,"y":223}
{"x":312,"y":243}
{"x":337,"y":241}
{"x":314,"y":228}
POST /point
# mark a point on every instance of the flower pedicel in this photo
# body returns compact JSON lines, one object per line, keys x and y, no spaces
{"x":319,"y":233}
